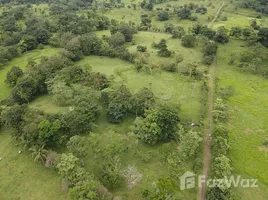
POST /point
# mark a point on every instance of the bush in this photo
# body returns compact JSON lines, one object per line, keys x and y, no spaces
{"x":188,"y":41}
{"x":141,"y":48}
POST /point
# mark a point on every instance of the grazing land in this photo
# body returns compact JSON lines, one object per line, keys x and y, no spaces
{"x":112,"y":100}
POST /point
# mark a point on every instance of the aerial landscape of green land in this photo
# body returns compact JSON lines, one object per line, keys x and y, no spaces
{"x":126,"y":99}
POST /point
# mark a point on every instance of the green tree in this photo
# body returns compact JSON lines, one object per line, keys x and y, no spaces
{"x":188,"y":41}
{"x":27,"y":87}
{"x":117,"y":39}
{"x":13,"y":75}
{"x":263,"y":35}
{"x":91,"y":44}
{"x":78,"y":146}
{"x":142,"y":100}
{"x":110,"y":173}
{"x":67,"y":165}
{"x":247,"y":33}
{"x":80,"y":119}
{"x":236,"y":32}
{"x":178,"y":32}
{"x":221,"y":35}
{"x":28,"y":43}
{"x":190,"y":143}
{"x":85,"y":190}
{"x":184,"y":13}
{"x":12,"y":117}
{"x":48,"y":132}
{"x":163,"y":15}
{"x":118,"y":104}
{"x":39,"y":153}
{"x":222,"y":167}
{"x":158,"y":124}
{"x":74,"y":49}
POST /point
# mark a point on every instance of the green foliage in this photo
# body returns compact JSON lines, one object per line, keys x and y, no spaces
{"x":220,"y":110}
{"x":80,"y":119}
{"x":13,"y":75}
{"x":28,"y":43}
{"x":127,"y":30}
{"x":28,"y":86}
{"x":86,"y":190}
{"x":221,"y":167}
{"x":209,"y":52}
{"x":178,"y":32}
{"x":163,"y":15}
{"x":162,"y":46}
{"x":77,"y":145}
{"x":38,"y":153}
{"x":252,"y":60}
{"x":66,"y":165}
{"x":141,"y":48}
{"x":118,"y":104}
{"x":263,"y":35}
{"x":164,"y":189}
{"x":190,"y":143}
{"x":221,"y":35}
{"x":159,"y":124}
{"x":188,"y":41}
{"x":73,"y":49}
{"x":91,"y":44}
{"x":184,"y":13}
{"x":142,"y":100}
{"x":48,"y":132}
{"x":12,"y":116}
{"x":117,"y":39}
{"x":110,"y":173}
{"x":236,"y":32}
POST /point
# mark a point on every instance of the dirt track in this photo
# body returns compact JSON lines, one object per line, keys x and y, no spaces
{"x":207,"y":142}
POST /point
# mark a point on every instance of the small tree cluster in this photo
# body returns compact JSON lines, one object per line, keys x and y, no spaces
{"x":163,"y":50}
{"x":158,"y":124}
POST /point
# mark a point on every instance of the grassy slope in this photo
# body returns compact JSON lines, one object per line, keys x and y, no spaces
{"x":21,"y":178}
{"x":248,"y":123}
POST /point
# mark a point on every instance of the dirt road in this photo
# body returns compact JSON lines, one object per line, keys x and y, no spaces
{"x":207,"y":142}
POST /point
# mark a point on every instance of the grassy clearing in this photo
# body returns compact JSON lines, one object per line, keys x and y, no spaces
{"x":166,"y":86}
{"x":45,"y":103}
{"x":248,"y":123}
{"x":22,"y":62}
{"x":147,"y":38}
{"x":21,"y":178}
{"x":128,"y":14}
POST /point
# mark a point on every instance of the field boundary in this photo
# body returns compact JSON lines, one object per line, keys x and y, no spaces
{"x":201,"y":195}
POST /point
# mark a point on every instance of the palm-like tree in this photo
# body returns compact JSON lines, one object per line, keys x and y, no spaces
{"x":38,"y":153}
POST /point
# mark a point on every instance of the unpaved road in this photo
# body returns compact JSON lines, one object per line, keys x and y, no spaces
{"x":207,"y":142}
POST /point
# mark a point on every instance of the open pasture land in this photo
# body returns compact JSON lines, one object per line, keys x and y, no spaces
{"x":248,"y":125}
{"x":129,"y":14}
{"x":21,"y":178}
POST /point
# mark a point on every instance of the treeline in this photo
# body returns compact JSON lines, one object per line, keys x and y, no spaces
{"x":221,"y":163}
{"x":258,"y":5}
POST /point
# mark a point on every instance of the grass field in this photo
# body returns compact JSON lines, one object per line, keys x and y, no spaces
{"x":128,"y":14}
{"x":248,"y":125}
{"x":21,"y":178}
{"x":166,"y":86}
{"x":22,"y":62}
